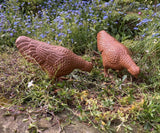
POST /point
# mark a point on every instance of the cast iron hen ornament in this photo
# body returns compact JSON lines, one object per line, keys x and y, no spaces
{"x":56,"y":60}
{"x":115,"y":55}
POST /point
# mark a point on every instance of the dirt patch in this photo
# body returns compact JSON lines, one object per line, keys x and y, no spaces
{"x":46,"y":124}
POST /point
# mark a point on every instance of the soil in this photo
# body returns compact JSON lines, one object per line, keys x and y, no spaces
{"x":21,"y":124}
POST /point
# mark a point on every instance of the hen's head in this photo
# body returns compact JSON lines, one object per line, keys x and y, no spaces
{"x":88,"y":67}
{"x":134,"y":70}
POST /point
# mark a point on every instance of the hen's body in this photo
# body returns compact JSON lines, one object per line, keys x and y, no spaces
{"x":114,"y":54}
{"x":56,"y":60}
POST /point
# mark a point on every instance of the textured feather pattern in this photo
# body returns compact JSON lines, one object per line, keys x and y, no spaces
{"x":56,"y":60}
{"x":114,"y":54}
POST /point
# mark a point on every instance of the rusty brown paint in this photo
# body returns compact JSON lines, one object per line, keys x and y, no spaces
{"x":115,"y":55}
{"x":56,"y":60}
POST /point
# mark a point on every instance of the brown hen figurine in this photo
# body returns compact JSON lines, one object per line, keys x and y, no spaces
{"x":56,"y":60}
{"x":115,"y":55}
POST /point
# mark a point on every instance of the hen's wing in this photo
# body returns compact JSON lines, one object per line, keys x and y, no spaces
{"x":46,"y":55}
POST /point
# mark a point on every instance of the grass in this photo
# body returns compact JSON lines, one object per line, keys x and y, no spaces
{"x":103,"y":102}
{"x":117,"y":103}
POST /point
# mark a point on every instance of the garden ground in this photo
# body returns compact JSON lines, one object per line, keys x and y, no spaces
{"x":119,"y":100}
{"x":24,"y":118}
{"x":11,"y":123}
{"x":21,"y":124}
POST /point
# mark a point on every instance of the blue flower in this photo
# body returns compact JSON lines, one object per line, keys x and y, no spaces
{"x":11,"y":34}
{"x":58,"y":19}
{"x":8,"y":30}
{"x":28,"y":26}
{"x":105,"y":17}
{"x":69,"y":31}
{"x":14,"y":30}
{"x":158,"y":5}
{"x":106,"y":4}
{"x":37,"y":26}
{"x":110,"y":12}
{"x":156,"y":34}
{"x":146,"y":29}
{"x":80,"y":23}
{"x":90,"y":14}
{"x":28,"y":32}
{"x":120,"y":12}
{"x":144,"y":35}
{"x":154,"y":14}
{"x":60,"y":27}
{"x":140,"y":8}
{"x":68,"y":16}
{"x":42,"y":35}
{"x":135,"y":28}
{"x":144,"y":21}
{"x":94,"y":21}
{"x":15,"y":23}
{"x":22,"y":4}
{"x":100,"y":6}
{"x":60,"y":34}
{"x":46,"y":32}
{"x":40,"y":22}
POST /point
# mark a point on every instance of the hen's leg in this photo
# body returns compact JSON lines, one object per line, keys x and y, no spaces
{"x":105,"y":72}
{"x":62,"y":78}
